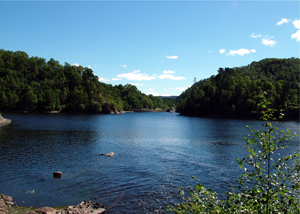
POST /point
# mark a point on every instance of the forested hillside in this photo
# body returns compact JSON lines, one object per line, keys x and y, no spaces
{"x":34,"y":84}
{"x":236,"y":91}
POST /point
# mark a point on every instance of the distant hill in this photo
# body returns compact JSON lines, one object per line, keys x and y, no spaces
{"x":235,"y":92}
{"x":167,"y":97}
{"x":171,"y":100}
{"x":34,"y":84}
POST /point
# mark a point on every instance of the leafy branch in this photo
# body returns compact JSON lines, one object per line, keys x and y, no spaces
{"x":271,"y":183}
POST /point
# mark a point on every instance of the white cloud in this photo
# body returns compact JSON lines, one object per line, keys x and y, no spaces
{"x":103,"y":79}
{"x":268,"y":42}
{"x":136,"y":75}
{"x":266,"y":39}
{"x":116,"y":79}
{"x":222,"y":51}
{"x":124,"y":66}
{"x":241,"y":52}
{"x":89,"y":66}
{"x":137,"y":84}
{"x":169,"y":72}
{"x":283,"y":21}
{"x":296,"y":23}
{"x":170,"y":76}
{"x":255,"y":36}
{"x":153,"y":93}
{"x":172,"y":57}
{"x":183,"y":89}
{"x":296,"y":36}
{"x":210,"y":51}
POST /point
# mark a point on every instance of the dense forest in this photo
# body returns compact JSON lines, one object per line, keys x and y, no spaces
{"x":36,"y":85}
{"x":235,"y":92}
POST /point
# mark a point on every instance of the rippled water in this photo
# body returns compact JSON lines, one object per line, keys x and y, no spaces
{"x":155,"y":154}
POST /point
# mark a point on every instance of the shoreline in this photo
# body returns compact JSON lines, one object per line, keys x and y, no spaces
{"x":4,"y":121}
{"x":8,"y":206}
{"x":238,"y":118}
{"x":73,"y":112}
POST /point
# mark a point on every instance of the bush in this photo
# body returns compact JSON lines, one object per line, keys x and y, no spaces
{"x":271,"y":183}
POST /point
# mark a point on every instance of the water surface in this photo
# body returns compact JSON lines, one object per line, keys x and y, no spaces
{"x":155,"y":154}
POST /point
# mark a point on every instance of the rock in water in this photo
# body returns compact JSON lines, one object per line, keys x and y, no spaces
{"x":57,"y":174}
{"x":108,"y":154}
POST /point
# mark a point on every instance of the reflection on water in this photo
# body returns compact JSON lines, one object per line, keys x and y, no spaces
{"x":155,"y":154}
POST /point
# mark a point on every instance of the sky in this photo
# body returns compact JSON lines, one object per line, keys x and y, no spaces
{"x":158,"y":46}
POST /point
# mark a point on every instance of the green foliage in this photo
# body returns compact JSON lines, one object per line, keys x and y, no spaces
{"x":271,"y":183}
{"x":234,"y":91}
{"x":34,"y":84}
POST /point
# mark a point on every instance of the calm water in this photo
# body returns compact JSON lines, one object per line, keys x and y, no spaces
{"x":155,"y":154}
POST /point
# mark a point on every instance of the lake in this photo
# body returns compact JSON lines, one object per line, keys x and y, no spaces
{"x":154,"y":154}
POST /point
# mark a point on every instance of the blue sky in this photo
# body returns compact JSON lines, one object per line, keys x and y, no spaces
{"x":158,"y":46}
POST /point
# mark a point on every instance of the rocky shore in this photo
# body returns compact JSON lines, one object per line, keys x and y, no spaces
{"x":7,"y":206}
{"x":4,"y":121}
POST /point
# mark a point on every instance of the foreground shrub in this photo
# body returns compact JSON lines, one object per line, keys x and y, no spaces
{"x":271,"y":183}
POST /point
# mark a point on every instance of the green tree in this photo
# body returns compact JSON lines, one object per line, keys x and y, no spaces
{"x":3,"y":100}
{"x":50,"y":100}
{"x":28,"y":99}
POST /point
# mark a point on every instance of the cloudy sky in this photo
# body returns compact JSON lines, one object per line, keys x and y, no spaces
{"x":158,"y":46}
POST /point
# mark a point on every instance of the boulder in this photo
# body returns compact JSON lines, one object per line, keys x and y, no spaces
{"x":4,"y":121}
{"x":109,"y":109}
{"x":57,"y":174}
{"x":2,"y":203}
{"x":3,"y":210}
{"x":10,"y":203}
{"x":6,"y":198}
{"x":83,"y":208}
{"x":108,"y":154}
{"x":46,"y":210}
{"x":106,"y":109}
{"x":116,"y":111}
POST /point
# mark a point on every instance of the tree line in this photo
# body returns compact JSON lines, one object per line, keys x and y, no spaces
{"x":34,"y":84}
{"x":236,"y":91}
